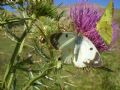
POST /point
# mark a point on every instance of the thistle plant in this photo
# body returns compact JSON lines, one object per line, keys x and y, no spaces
{"x":37,"y":18}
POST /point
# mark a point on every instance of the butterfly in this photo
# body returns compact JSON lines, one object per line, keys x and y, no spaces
{"x":76,"y":49}
{"x":104,"y":25}
{"x":79,"y":49}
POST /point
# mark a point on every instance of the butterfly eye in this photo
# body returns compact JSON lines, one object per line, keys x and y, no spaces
{"x":66,"y":35}
{"x":91,"y":48}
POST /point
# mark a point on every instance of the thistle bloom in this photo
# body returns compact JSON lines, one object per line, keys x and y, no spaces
{"x":85,"y":17}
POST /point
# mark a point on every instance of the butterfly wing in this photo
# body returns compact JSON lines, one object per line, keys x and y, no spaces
{"x":104,"y":26}
{"x":80,"y":49}
{"x":86,"y":54}
{"x":64,"y":42}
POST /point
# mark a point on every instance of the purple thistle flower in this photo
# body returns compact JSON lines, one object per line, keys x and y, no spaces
{"x":85,"y":17}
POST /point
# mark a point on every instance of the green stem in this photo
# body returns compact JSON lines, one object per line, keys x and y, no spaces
{"x":44,"y":73}
{"x":12,"y":60}
{"x":47,"y":41}
{"x":16,"y":52}
{"x":10,"y":81}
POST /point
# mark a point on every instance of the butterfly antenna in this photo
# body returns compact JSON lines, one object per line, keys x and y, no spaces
{"x":106,"y":69}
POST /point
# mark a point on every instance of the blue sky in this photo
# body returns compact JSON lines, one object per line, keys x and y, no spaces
{"x":70,"y":2}
{"x":100,"y":2}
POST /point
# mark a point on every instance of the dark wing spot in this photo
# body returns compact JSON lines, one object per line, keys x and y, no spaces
{"x":66,"y":35}
{"x":91,"y":48}
{"x":59,"y":58}
{"x":96,"y":62}
{"x":54,"y":39}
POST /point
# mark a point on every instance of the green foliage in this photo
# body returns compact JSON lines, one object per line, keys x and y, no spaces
{"x":20,"y":59}
{"x":42,"y":8}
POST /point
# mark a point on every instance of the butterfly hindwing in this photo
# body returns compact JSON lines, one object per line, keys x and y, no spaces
{"x":87,"y":54}
{"x":64,"y":42}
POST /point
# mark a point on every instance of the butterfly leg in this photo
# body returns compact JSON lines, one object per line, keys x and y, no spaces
{"x":87,"y":69}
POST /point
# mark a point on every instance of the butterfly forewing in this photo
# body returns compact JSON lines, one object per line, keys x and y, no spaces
{"x":64,"y":42}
